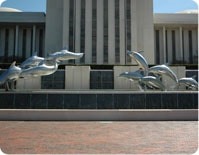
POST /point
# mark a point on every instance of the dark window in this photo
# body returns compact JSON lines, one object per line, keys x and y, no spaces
{"x":101,"y":79}
{"x":117,"y":31}
{"x":6,"y":43}
{"x":190,"y":48}
{"x":54,"y":81}
{"x":173,"y":47}
{"x":128,"y":27}
{"x":105,"y":31}
{"x":40,"y":42}
{"x":183,"y":55}
{"x":157,"y":34}
{"x":72,"y":28}
{"x":167,"y":58}
{"x":82,"y":44}
{"x":24,"y":44}
{"x":94,"y":29}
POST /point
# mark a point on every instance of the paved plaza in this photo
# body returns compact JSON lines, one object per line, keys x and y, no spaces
{"x":95,"y":137}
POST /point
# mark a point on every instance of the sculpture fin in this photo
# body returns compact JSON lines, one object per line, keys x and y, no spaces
{"x":167,"y":64}
{"x":140,"y":52}
{"x":65,"y":48}
{"x":13,"y":64}
{"x":194,"y":77}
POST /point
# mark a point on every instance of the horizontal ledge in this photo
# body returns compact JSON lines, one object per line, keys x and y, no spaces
{"x":98,"y":115}
{"x":94,"y":91}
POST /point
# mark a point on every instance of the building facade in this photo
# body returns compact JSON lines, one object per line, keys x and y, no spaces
{"x":103,"y":30}
{"x":21,"y":34}
{"x":176,"y":38}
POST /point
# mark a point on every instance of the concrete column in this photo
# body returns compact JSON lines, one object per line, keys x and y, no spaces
{"x":16,"y":39}
{"x":77,"y":27}
{"x":88,"y":32}
{"x":66,"y":10}
{"x":33,"y":39}
{"x":122,"y":33}
{"x":111,"y":31}
{"x":77,"y":77}
{"x":100,"y":31}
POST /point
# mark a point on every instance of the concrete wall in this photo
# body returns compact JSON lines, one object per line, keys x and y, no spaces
{"x":77,"y":77}
{"x":30,"y":83}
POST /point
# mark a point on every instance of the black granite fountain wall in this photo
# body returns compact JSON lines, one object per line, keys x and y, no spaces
{"x":102,"y":100}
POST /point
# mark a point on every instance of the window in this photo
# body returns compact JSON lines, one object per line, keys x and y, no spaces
{"x":128,"y":27}
{"x":94,"y":31}
{"x":54,"y":81}
{"x":157,"y":37}
{"x":190,"y":48}
{"x":101,"y":79}
{"x":82,"y":39}
{"x":105,"y":31}
{"x":117,"y":32}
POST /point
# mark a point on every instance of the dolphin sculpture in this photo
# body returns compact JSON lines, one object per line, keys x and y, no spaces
{"x":141,"y":61}
{"x":41,"y":70}
{"x":64,"y":55}
{"x":132,"y":75}
{"x":190,"y":82}
{"x":163,"y":69}
{"x":10,"y":75}
{"x":34,"y":60}
{"x":152,"y":82}
{"x":1,"y":2}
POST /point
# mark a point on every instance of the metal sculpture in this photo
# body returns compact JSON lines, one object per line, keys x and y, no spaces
{"x":154,"y":82}
{"x":132,"y":75}
{"x":36,"y":66}
{"x":190,"y":83}
{"x":10,"y":75}
{"x":1,"y":2}
{"x":141,"y":61}
{"x":41,"y":70}
{"x":163,"y":69}
{"x":64,"y":55}
{"x":33,"y":61}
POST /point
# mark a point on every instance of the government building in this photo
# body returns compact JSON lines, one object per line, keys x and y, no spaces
{"x":103,"y":30}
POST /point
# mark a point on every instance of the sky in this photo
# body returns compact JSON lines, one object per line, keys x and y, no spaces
{"x":160,"y":6}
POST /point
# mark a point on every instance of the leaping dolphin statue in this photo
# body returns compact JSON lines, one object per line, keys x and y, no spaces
{"x":190,"y":82}
{"x":152,"y":82}
{"x":10,"y":75}
{"x":34,"y":60}
{"x":41,"y":70}
{"x":163,"y":69}
{"x":132,"y":75}
{"x":64,"y":55}
{"x":141,"y":61}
